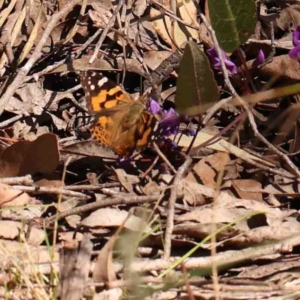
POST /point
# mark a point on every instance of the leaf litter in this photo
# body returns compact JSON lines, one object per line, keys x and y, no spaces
{"x":77,"y":220}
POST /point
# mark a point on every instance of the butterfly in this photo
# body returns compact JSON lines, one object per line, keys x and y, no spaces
{"x":121,"y":123}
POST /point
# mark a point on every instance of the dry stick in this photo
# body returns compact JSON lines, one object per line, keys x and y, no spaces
{"x":171,"y":207}
{"x":169,"y":13}
{"x":20,"y":77}
{"x":11,"y":120}
{"x":226,"y":259}
{"x":283,"y":44}
{"x":99,"y":204}
{"x":279,"y":171}
{"x":51,"y":190}
{"x":26,"y":180}
{"x":92,"y":187}
{"x":163,"y":157}
{"x":245,"y":105}
{"x":88,"y":42}
{"x":106,"y":29}
{"x":145,"y":174}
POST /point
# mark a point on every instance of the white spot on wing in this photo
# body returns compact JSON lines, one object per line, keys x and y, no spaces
{"x":155,"y":128}
{"x":92,"y":87}
{"x":102,"y":81}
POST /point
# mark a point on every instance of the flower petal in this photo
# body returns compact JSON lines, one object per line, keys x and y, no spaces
{"x":295,"y":52}
{"x":260,"y":58}
{"x":296,"y":36}
{"x":154,"y":107}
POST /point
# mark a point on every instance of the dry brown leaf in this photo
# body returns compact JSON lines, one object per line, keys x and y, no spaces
{"x":19,"y":251}
{"x":219,"y":145}
{"x":33,"y":35}
{"x":125,"y":179}
{"x":144,"y":35}
{"x":207,"y":169}
{"x":104,"y":271}
{"x":70,"y":236}
{"x":288,"y":15}
{"x":22,"y":158}
{"x":228,"y":209}
{"x":90,"y":148}
{"x":192,"y":192}
{"x":11,"y":230}
{"x":111,"y":294}
{"x":246,"y":188}
{"x":106,"y":4}
{"x":32,"y":100}
{"x":154,"y":58}
{"x":13,"y":35}
{"x":182,"y":33}
{"x":109,"y":217}
{"x":281,"y":66}
{"x":139,"y":7}
{"x":13,"y":197}
{"x":100,"y":17}
{"x":6,"y":12}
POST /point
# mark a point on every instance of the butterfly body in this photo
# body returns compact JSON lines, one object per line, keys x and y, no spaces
{"x":122,"y":124}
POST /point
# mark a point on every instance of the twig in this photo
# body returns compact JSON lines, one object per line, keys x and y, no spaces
{"x":163,"y":157}
{"x":92,"y":187}
{"x":278,"y":44}
{"x":11,"y":120}
{"x":26,"y":180}
{"x":51,"y":190}
{"x":226,"y":259}
{"x":20,"y":77}
{"x":144,"y":175}
{"x":171,"y":207}
{"x":171,"y":14}
{"x":99,"y":204}
{"x":106,"y":29}
{"x":88,"y":42}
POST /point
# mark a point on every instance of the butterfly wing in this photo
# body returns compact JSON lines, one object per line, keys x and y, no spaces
{"x":120,"y":122}
{"x":102,"y":93}
{"x":136,"y":129}
{"x":105,"y":100}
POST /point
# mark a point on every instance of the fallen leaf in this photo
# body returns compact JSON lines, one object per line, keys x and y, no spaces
{"x":109,"y":217}
{"x":219,"y":145}
{"x":13,"y":197}
{"x":207,"y":168}
{"x":11,"y":230}
{"x":22,"y":158}
{"x":246,"y":189}
{"x":182,"y":33}
{"x":154,"y":58}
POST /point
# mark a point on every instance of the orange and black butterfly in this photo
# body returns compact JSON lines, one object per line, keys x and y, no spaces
{"x":121,"y":123}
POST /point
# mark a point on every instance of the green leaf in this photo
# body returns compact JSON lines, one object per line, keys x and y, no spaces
{"x":233,"y":21}
{"x":196,"y":85}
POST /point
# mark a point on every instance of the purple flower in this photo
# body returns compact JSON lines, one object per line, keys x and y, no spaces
{"x":260,"y":59}
{"x":169,"y":119}
{"x":295,"y":52}
{"x":154,"y":107}
{"x":215,"y":61}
